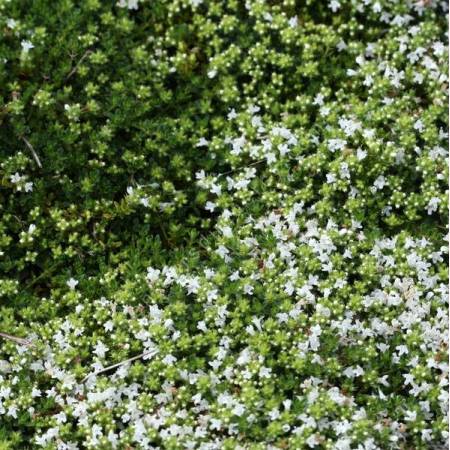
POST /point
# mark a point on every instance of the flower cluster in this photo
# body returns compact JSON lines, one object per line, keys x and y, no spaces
{"x":223,"y":225}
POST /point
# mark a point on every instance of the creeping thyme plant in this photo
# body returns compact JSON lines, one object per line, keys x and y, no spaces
{"x":223,"y":224}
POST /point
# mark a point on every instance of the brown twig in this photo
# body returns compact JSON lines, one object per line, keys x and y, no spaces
{"x":15,"y":339}
{"x":73,"y":71}
{"x":134,"y":358}
{"x":33,"y":152}
{"x":241,"y":167}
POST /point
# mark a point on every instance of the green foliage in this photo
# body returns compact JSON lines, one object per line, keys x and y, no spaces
{"x":248,"y":199}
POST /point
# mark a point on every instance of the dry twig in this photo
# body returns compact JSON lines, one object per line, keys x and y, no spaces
{"x":113,"y":366}
{"x":73,"y":71}
{"x":33,"y":152}
{"x":15,"y":339}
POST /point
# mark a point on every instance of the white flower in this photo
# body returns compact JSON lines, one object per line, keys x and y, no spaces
{"x":109,"y":325}
{"x":130,"y":4}
{"x":379,"y":183}
{"x":222,"y":251}
{"x":200,"y":175}
{"x":433,"y":205}
{"x":169,"y":360}
{"x":438,"y":48}
{"x":202,"y":143}
{"x":331,"y":178}
{"x":238,"y":410}
{"x":419,"y":126}
{"x":215,"y":424}
{"x":349,"y":126}
{"x":265,"y":372}
{"x":212,"y":295}
{"x":312,"y":441}
{"x":344,"y":171}
{"x":35,"y":392}
{"x":410,"y":416}
{"x":209,"y":273}
{"x":100,"y":349}
{"x":215,"y":189}
{"x":334,"y":5}
{"x":226,"y":231}
{"x":234,"y":276}
{"x":26,"y":46}
{"x":16,"y":178}
{"x":248,"y":289}
{"x":318,"y":99}
{"x":336,"y":144}
{"x":210,"y":206}
{"x":293,"y":22}
{"x":232,"y":114}
{"x":12,"y":411}
{"x":152,"y":274}
{"x":72,"y":283}
{"x":11,"y":23}
{"x":324,"y":111}
{"x":112,"y":439}
{"x":341,"y":45}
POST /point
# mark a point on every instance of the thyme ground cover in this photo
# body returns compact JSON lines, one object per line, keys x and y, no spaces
{"x":223,"y":224}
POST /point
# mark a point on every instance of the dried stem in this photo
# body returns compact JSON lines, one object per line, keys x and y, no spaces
{"x":33,"y":152}
{"x":241,"y":167}
{"x":73,"y":71}
{"x":15,"y":339}
{"x":134,"y":358}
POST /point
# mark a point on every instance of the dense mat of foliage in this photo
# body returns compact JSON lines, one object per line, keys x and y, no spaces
{"x":223,"y":224}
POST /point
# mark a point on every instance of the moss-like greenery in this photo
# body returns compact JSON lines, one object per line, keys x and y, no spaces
{"x":222,"y":224}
